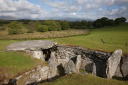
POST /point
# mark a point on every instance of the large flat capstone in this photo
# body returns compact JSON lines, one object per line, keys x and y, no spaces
{"x":32,"y":45}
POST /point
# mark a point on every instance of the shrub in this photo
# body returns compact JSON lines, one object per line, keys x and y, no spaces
{"x":42,"y":28}
{"x":14,"y":28}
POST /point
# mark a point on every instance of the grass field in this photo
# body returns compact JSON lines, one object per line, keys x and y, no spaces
{"x":114,"y":38}
{"x":79,"y":79}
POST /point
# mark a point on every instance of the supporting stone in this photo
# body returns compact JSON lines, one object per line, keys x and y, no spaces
{"x":70,"y":67}
{"x":38,"y":55}
{"x":94,"y":69}
{"x":52,"y":66}
{"x":78,"y":63}
{"x":112,"y":63}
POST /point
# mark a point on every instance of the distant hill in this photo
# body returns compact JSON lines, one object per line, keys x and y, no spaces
{"x":8,"y":18}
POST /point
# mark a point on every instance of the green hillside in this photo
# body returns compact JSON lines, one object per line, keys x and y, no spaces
{"x":113,"y":37}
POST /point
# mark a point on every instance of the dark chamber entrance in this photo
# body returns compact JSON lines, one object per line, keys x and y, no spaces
{"x":46,"y":54}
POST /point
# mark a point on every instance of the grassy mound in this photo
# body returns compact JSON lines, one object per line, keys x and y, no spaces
{"x":113,"y":37}
{"x":74,"y":79}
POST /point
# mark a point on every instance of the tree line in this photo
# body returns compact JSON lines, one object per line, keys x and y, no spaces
{"x":99,"y":23}
{"x":14,"y":27}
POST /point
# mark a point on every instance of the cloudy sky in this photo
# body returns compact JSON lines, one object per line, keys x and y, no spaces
{"x":61,"y":9}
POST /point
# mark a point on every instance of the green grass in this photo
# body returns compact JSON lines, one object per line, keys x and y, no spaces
{"x":79,"y":79}
{"x":15,"y":63}
{"x":114,"y":38}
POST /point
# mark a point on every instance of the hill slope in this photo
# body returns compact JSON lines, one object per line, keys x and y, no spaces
{"x":113,"y":37}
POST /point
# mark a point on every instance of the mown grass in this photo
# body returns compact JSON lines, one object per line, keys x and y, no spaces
{"x":79,"y":79}
{"x":114,"y":38}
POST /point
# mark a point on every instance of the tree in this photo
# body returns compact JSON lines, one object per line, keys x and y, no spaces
{"x":42,"y":28}
{"x":120,"y":20}
{"x":65,"y":25}
{"x":89,"y":25}
{"x":37,"y":24}
{"x":31,"y":27}
{"x":1,"y":22}
{"x":14,"y":28}
{"x":110,"y":22}
{"x":83,"y":23}
{"x":52,"y":25}
{"x":98,"y":25}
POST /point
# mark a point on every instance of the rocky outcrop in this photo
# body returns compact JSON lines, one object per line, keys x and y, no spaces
{"x":112,"y":63}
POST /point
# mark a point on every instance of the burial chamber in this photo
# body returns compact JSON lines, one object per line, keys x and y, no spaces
{"x":101,"y":64}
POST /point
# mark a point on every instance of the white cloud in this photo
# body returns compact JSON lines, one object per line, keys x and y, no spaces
{"x":100,"y":9}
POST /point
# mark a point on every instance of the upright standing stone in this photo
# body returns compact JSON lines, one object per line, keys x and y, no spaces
{"x":78,"y":63}
{"x":94,"y":69}
{"x":53,"y":67}
{"x":112,"y":63}
{"x":70,"y":67}
{"x":124,"y":66}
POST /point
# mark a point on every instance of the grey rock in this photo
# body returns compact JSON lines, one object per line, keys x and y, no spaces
{"x":38,"y":76}
{"x":94,"y":69}
{"x":86,"y":64}
{"x":124,"y":67}
{"x":53,"y":67}
{"x":38,"y":55}
{"x":118,"y":71}
{"x":78,"y":63}
{"x":33,"y":45}
{"x":112,"y":63}
{"x":70,"y":67}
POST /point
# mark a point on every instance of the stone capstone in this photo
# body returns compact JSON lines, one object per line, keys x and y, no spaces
{"x":32,"y":45}
{"x":112,"y":63}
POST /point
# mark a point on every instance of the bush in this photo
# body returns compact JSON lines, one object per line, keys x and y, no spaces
{"x":14,"y":28}
{"x":42,"y":28}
